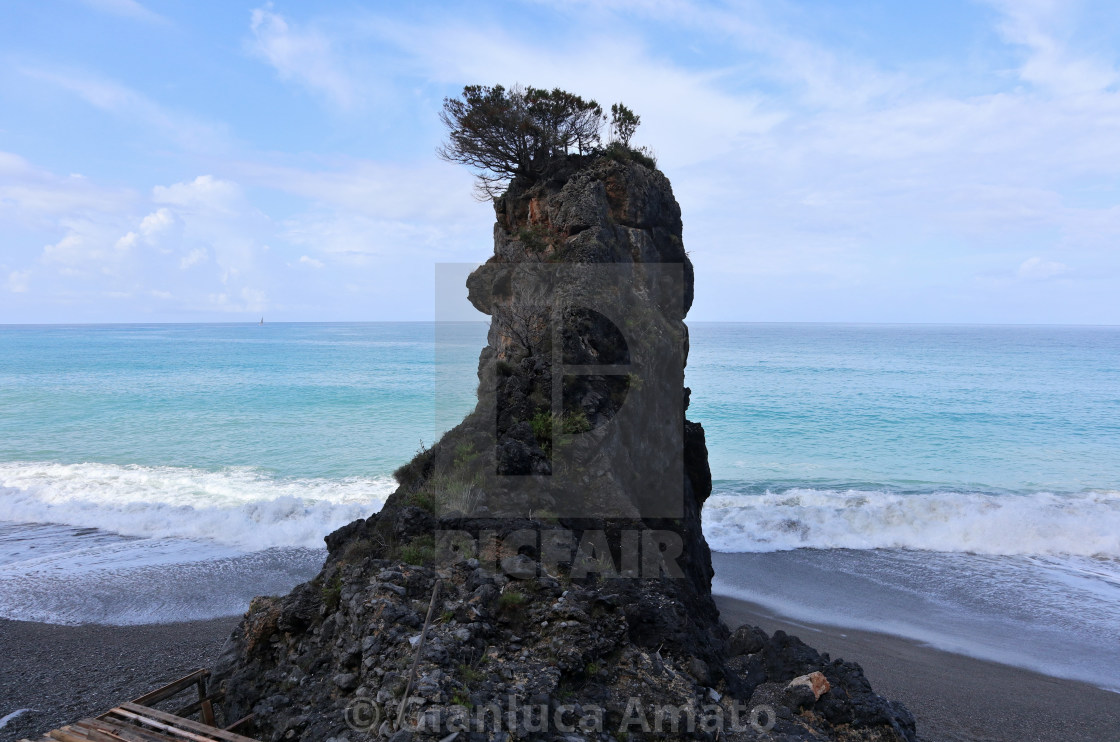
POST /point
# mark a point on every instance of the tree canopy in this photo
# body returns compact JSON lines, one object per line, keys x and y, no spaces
{"x":623,"y":124}
{"x":502,"y":133}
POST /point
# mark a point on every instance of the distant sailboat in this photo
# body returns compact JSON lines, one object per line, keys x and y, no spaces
{"x":262,"y":320}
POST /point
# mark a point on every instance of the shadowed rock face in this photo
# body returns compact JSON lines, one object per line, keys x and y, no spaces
{"x":589,"y":270}
{"x":561,"y":517}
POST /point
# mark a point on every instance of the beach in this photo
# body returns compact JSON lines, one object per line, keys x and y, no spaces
{"x":64,"y":673}
{"x":955,"y":698}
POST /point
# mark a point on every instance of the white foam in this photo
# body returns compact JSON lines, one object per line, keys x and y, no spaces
{"x":238,"y":507}
{"x":149,"y":581}
{"x":5,"y":719}
{"x":1055,"y":615}
{"x":1081,"y":524}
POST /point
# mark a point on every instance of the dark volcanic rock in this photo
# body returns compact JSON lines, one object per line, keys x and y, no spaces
{"x":554,"y":536}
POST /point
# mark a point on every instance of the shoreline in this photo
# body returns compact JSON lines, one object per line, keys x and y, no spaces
{"x":1009,"y":611}
{"x":63,"y":673}
{"x":954,"y":698}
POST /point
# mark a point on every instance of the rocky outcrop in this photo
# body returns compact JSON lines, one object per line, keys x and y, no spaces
{"x":541,"y":572}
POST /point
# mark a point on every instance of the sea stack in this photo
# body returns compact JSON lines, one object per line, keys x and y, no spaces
{"x":541,"y":572}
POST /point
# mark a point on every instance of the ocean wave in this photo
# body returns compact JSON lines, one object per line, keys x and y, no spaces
{"x":149,"y":581}
{"x":1043,"y":523}
{"x":239,"y":507}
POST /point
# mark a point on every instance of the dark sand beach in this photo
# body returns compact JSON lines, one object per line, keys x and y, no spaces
{"x":953,"y":697}
{"x":66,"y":672}
{"x":63,"y":673}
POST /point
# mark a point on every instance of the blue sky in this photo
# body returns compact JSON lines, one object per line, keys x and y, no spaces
{"x":177,"y":160}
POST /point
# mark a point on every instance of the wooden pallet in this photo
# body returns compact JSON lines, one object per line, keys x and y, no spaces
{"x":137,"y":721}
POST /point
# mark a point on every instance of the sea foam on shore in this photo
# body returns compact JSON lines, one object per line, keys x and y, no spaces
{"x":1030,"y":580}
{"x":1059,"y":616}
{"x":1032,"y":523}
{"x":132,"y":544}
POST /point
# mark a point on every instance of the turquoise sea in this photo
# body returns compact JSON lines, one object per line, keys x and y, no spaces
{"x":956,"y":484}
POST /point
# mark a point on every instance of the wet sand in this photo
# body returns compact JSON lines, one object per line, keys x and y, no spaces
{"x":953,"y":697}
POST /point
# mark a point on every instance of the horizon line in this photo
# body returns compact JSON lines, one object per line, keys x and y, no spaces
{"x":255,"y":323}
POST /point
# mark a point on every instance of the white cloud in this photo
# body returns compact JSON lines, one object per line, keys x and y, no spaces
{"x":254,"y":299}
{"x":688,"y":110}
{"x":194,"y":257}
{"x":799,"y":163}
{"x":304,"y":56}
{"x":149,"y":230}
{"x":127,"y":242}
{"x":362,"y":209}
{"x":816,"y":74}
{"x":1053,"y":62}
{"x":357,"y":239}
{"x":18,"y":281}
{"x":1037,"y":269}
{"x":431,"y":192}
{"x":101,"y":245}
{"x":188,"y":131}
{"x":802,"y":159}
{"x":204,"y":193}
{"x":251,"y":300}
{"x":68,"y":227}
{"x":155,"y":223}
{"x":89,"y":247}
{"x":208,"y":221}
{"x":31,"y":195}
{"x":839,"y":151}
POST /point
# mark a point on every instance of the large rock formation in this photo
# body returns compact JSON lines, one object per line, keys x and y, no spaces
{"x":552,"y":538}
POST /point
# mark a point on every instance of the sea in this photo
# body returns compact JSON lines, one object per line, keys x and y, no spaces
{"x":955,"y":485}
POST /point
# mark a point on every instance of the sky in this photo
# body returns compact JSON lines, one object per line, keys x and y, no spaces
{"x":847,"y":161}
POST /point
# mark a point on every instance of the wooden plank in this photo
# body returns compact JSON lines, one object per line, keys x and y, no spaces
{"x":192,"y":708}
{"x":177,"y":725}
{"x":127,"y":732}
{"x":172,"y":728}
{"x":65,"y":735}
{"x":205,"y":706}
{"x":161,"y":694}
{"x":239,"y":722}
{"x":188,"y":724}
{"x":96,"y":735}
{"x":137,"y":720}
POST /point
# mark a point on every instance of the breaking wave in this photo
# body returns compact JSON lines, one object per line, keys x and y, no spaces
{"x":1042,"y":523}
{"x":243,"y":508}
